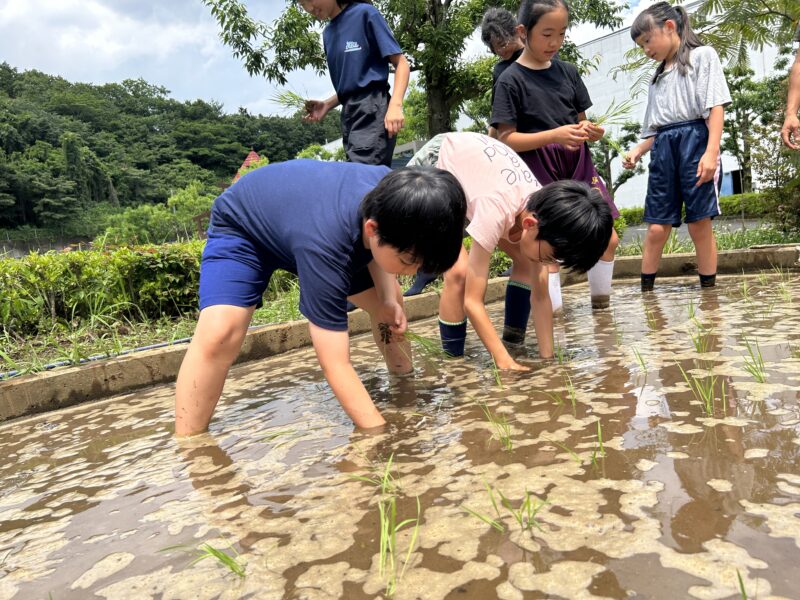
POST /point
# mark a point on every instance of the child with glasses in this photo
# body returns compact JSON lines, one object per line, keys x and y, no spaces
{"x":565,"y":223}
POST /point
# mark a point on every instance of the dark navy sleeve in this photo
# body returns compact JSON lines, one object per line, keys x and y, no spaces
{"x":324,"y":287}
{"x":505,"y":106}
{"x":379,"y":30}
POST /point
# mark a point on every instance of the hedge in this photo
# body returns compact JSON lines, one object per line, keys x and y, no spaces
{"x":755,"y":205}
{"x":136,"y":282}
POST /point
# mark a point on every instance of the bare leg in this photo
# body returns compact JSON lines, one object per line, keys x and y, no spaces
{"x":451,"y":303}
{"x":396,"y":353}
{"x":216,"y":342}
{"x":654,"y":240}
{"x":705,"y":245}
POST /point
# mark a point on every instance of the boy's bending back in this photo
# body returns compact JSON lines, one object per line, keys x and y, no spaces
{"x":345,"y":230}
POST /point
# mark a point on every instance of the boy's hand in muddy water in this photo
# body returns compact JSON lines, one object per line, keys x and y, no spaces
{"x":509,"y":364}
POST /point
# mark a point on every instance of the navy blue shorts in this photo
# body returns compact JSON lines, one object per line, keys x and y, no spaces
{"x":675,"y":155}
{"x":235,"y":272}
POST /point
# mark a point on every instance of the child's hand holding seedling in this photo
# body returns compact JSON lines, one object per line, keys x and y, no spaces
{"x":569,"y":136}
{"x":593,"y":131}
{"x":315,"y":110}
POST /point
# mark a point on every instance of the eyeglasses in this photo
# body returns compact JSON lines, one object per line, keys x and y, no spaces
{"x":499,"y":45}
{"x":545,"y":261}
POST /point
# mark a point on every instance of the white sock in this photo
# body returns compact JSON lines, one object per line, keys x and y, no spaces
{"x":554,"y":285}
{"x":600,"y":278}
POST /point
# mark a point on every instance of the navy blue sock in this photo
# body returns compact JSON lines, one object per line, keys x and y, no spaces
{"x":708,"y":281}
{"x":453,"y":337}
{"x":422,"y":280}
{"x":648,"y":281}
{"x":518,"y":310}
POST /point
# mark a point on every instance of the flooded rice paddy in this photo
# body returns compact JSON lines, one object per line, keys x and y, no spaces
{"x":658,"y":458}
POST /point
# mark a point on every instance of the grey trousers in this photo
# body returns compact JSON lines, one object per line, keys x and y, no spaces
{"x":364,"y":135}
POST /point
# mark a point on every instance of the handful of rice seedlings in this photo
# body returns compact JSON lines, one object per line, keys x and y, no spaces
{"x":617,"y":114}
{"x":289,"y":99}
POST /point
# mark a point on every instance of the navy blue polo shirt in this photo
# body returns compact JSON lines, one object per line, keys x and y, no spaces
{"x":303,"y":217}
{"x":357,"y":43}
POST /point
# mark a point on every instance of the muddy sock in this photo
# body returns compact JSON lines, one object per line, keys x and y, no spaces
{"x":600,"y":277}
{"x":708,"y":281}
{"x":648,"y":281}
{"x":422,"y":280}
{"x":453,"y":336}
{"x":554,"y":286}
{"x":518,"y":310}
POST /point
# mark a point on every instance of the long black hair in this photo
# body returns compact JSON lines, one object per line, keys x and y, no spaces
{"x":530,"y":11}
{"x":656,"y":16}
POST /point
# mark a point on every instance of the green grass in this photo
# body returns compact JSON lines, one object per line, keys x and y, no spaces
{"x":726,"y":240}
{"x":428,"y":346}
{"x":568,"y":450}
{"x":701,"y":337}
{"x":496,"y":374}
{"x":742,"y":591}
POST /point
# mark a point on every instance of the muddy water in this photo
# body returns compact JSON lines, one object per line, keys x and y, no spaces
{"x":678,"y":501}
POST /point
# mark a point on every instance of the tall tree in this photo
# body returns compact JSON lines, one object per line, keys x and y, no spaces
{"x":432,"y":34}
{"x":608,"y":148}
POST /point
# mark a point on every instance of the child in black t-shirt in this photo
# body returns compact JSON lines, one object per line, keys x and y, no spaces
{"x":539,"y":110}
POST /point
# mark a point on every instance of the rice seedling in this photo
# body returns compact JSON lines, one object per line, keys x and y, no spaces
{"x":290,"y":100}
{"x":652,"y":319}
{"x":502,"y":428}
{"x":495,"y":523}
{"x":763,"y":279}
{"x":599,"y":449}
{"x":554,"y":397}
{"x":616,"y":114}
{"x":429,"y":346}
{"x":389,"y":527}
{"x":617,"y":332}
{"x":754,"y":362}
{"x":742,"y":591}
{"x":785,"y":292}
{"x":567,"y":449}
{"x":570,"y":391}
{"x":701,"y":337}
{"x":525,"y":515}
{"x":204,"y":551}
{"x":702,"y":389}
{"x":561,"y":354}
{"x":496,"y":373}
{"x":784,"y":275}
{"x":692,"y":308}
{"x":386,"y":485}
{"x":745,"y":291}
{"x":639,"y":359}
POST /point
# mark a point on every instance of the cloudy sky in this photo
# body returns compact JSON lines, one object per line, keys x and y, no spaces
{"x":173,"y":43}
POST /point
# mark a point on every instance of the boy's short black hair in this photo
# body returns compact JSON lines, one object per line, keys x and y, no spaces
{"x":420,"y":211}
{"x":575,"y":220}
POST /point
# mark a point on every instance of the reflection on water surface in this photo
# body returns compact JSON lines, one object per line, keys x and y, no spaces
{"x":653,"y":461}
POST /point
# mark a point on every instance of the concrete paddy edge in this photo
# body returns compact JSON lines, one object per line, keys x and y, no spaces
{"x":60,"y":388}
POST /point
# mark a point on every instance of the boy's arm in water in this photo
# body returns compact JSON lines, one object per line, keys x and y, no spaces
{"x":475,"y":307}
{"x":388,"y":290}
{"x":542,"y":309}
{"x":333,"y":353}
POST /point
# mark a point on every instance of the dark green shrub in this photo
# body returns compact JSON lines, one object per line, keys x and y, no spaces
{"x":750,"y":206}
{"x":633,"y":215}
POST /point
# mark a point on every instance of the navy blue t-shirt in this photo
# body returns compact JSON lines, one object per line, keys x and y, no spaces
{"x":304,"y":215}
{"x":357,"y":43}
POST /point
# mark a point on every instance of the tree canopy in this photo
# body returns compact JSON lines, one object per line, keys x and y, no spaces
{"x":65,"y":147}
{"x":431,"y":33}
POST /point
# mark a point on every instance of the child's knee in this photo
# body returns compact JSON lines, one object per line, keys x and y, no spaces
{"x":456,"y":278}
{"x":658,"y":233}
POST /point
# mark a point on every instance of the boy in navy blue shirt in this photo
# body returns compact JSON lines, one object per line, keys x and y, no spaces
{"x":359,"y":46}
{"x":346,"y":230}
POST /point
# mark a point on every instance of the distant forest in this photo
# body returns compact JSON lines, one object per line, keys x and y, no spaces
{"x":67,"y":149}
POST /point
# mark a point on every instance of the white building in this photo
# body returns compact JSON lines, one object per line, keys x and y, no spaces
{"x":603,"y":88}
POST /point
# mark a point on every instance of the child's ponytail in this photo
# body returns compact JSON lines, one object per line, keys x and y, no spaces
{"x":658,"y":14}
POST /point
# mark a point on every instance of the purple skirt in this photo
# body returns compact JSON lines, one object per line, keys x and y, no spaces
{"x":554,"y":162}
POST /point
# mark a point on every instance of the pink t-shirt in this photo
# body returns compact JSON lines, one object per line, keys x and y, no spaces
{"x":495,"y":179}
